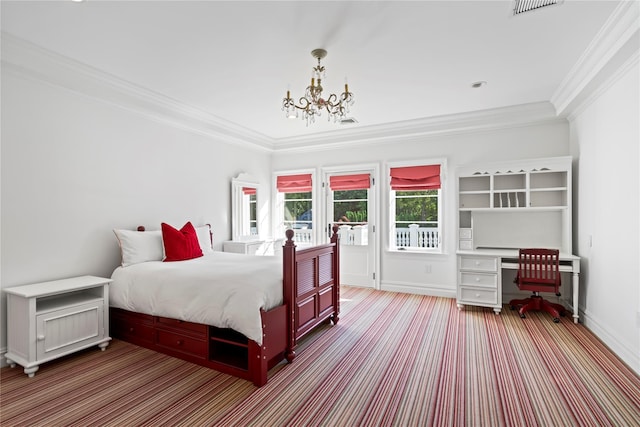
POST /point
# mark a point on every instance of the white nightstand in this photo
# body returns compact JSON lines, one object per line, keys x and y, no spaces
{"x":52,"y":319}
{"x":253,"y":247}
{"x":250,"y":247}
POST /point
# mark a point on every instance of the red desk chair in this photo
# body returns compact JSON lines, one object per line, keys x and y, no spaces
{"x":538,"y":271}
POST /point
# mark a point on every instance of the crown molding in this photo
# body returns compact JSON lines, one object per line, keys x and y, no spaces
{"x":28,"y":60}
{"x":602,"y":86}
{"x":614,"y":44}
{"x":421,"y":129}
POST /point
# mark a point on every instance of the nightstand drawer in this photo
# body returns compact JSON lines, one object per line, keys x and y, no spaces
{"x":479,"y":263}
{"x":182,"y":343}
{"x":479,"y":279}
{"x":478,"y":296}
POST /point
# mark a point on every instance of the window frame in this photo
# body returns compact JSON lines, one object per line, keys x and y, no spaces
{"x":279,"y":200}
{"x":391,"y":207}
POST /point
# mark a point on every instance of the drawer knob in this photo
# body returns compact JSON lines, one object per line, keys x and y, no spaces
{"x":477,"y":262}
{"x":179,"y":342}
{"x":131,"y":329}
{"x":477,"y":295}
{"x":477,"y":279}
{"x":40,"y":337}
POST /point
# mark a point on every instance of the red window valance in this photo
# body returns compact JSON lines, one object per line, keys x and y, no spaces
{"x":350,"y":182}
{"x":415,"y":178}
{"x":249,"y":191}
{"x":294,"y":183}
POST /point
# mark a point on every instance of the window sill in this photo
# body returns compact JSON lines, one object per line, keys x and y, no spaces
{"x":415,"y":251}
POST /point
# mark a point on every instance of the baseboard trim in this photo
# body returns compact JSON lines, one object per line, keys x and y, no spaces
{"x":628,"y":355}
{"x":3,"y":360}
{"x":420,"y":289}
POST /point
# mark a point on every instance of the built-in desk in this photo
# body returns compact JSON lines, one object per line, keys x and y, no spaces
{"x":480,"y":276}
{"x":504,"y":206}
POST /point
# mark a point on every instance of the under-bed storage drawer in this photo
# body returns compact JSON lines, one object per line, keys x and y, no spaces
{"x":132,"y":327}
{"x":196,"y":329}
{"x":197,"y":347}
{"x":181,"y":336}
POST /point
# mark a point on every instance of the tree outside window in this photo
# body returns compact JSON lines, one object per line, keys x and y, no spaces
{"x":350,"y":207}
{"x":298,"y":213}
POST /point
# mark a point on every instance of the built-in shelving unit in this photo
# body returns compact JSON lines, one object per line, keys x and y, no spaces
{"x":503,"y":207}
{"x":519,"y":187}
{"x":500,"y":190}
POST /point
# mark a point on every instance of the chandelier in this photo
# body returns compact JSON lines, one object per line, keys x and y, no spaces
{"x":313,"y":104}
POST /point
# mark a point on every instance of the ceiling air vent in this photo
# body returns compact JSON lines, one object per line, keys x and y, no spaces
{"x":522,"y":6}
{"x":348,"y":121}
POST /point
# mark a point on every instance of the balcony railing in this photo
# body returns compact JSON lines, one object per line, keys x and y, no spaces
{"x":417,"y":237}
{"x":353,"y":234}
{"x":413,"y":236}
{"x":302,"y":235}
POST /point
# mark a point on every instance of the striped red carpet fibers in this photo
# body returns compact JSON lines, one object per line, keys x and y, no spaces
{"x":394,"y":359}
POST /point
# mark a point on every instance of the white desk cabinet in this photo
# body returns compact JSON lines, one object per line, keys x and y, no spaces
{"x":52,"y":319}
{"x":479,"y":281}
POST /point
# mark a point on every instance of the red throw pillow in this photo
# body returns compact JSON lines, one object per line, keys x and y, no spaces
{"x":180,"y":245}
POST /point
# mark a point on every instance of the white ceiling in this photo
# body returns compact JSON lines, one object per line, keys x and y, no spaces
{"x":404,"y":60}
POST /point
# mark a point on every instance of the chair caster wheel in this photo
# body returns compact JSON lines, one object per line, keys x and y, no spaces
{"x":512,"y":307}
{"x":522,"y":316}
{"x":556,"y":320}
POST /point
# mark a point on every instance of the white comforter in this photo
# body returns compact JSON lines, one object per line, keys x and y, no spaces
{"x":221,"y":289}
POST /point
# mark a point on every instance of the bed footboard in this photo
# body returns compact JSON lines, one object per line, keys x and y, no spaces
{"x":311,"y":287}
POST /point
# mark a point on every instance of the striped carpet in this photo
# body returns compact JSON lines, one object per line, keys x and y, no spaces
{"x":394,"y":359}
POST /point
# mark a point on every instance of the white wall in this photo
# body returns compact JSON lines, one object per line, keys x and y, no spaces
{"x":407,"y":271}
{"x":605,"y":135}
{"x":74,"y":168}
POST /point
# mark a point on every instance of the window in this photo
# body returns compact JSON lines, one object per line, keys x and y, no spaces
{"x":296,"y":200}
{"x":350,"y":199}
{"x":415,"y":208}
{"x":253,"y":211}
{"x":298,"y":212}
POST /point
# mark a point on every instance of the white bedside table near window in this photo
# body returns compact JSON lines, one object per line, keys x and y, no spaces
{"x":254,"y":247}
{"x":49,"y":320}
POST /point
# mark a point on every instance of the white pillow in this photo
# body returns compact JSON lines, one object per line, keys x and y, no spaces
{"x":139,"y":246}
{"x":204,"y":238}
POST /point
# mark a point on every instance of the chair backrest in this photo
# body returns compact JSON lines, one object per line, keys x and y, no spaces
{"x":539,"y":269}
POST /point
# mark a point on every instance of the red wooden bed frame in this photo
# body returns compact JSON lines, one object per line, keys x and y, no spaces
{"x":311,"y":296}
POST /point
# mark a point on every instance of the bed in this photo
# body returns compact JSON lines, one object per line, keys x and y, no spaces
{"x":209,"y":327}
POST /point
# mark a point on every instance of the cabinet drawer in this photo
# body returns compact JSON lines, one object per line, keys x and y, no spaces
{"x":478,"y":263}
{"x":479,"y":279}
{"x":478,"y":296}
{"x":182,"y":343}
{"x":253,"y":248}
{"x":131,"y":331}
{"x":196,"y":329}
